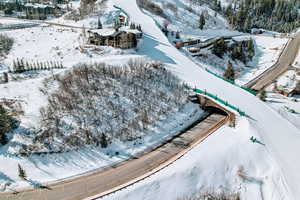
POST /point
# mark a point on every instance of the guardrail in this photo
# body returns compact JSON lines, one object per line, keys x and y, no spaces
{"x":216,"y":98}
{"x":232,"y":82}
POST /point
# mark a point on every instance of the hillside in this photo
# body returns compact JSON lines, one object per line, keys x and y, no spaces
{"x":103,"y":105}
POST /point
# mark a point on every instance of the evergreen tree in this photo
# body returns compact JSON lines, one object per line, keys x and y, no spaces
{"x":103,"y":142}
{"x":201,"y":21}
{"x":262,"y":95}
{"x":219,"y":48}
{"x":7,"y":123}
{"x":177,"y":35}
{"x":22,"y":172}
{"x":229,"y":73}
{"x":99,"y":23}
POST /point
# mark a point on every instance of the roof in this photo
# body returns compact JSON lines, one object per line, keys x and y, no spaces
{"x":36,"y":5}
{"x":103,"y":32}
{"x":112,"y":32}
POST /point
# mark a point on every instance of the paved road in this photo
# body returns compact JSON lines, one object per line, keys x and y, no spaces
{"x":126,"y":173}
{"x":282,"y":65}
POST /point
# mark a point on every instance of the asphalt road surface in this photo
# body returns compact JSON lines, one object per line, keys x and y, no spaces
{"x":126,"y":173}
{"x":282,"y":65}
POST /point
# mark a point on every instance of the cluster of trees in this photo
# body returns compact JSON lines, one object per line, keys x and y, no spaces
{"x":152,"y":7}
{"x":6,"y":44}
{"x":213,"y":195}
{"x":276,"y":15}
{"x":7,"y":123}
{"x":19,"y":65}
{"x":135,"y":26}
{"x":243,"y":51}
{"x":95,"y":104}
{"x":202,"y":21}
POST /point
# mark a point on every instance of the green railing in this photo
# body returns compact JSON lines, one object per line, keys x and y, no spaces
{"x":216,"y":98}
{"x":232,"y":82}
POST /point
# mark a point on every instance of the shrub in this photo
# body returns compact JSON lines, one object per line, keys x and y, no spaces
{"x":152,"y":7}
{"x":95,"y":104}
{"x":7,"y":123}
{"x":6,"y":44}
{"x":213,"y":196}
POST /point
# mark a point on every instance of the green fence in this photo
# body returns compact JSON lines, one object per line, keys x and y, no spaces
{"x":232,"y":82}
{"x":225,"y":103}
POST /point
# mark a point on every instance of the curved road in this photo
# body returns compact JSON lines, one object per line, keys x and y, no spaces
{"x":126,"y":173}
{"x":285,"y":60}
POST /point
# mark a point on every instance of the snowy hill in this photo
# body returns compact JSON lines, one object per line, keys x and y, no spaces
{"x":226,"y":161}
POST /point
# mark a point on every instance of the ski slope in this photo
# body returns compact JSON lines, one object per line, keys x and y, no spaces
{"x":282,"y":139}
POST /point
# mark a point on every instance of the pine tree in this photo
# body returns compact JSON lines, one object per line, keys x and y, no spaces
{"x":177,"y":35}
{"x":7,"y":123}
{"x":201,"y":21}
{"x":99,"y":23}
{"x":103,"y":142}
{"x":22,"y":172}
{"x":229,"y":73}
{"x":262,"y":95}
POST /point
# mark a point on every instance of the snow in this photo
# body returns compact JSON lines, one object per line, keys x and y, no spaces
{"x":284,"y":105}
{"x":49,"y":43}
{"x":288,"y":81}
{"x":215,"y":26}
{"x":267,"y":52}
{"x":213,"y":165}
{"x":54,"y":167}
{"x":268,"y":124}
{"x":272,"y":170}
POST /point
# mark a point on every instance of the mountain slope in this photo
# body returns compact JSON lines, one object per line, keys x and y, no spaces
{"x":281,"y":138}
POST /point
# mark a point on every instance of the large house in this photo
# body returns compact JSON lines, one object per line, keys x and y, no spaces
{"x":33,"y":10}
{"x":41,"y":11}
{"x":114,"y":38}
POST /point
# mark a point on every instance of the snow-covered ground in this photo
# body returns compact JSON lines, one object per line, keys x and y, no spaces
{"x":271,"y":170}
{"x":215,"y":165}
{"x":287,"y":107}
{"x":188,"y":26}
{"x":10,"y":21}
{"x":52,"y":43}
{"x":54,"y":167}
{"x":267,"y":51}
{"x":265,"y":122}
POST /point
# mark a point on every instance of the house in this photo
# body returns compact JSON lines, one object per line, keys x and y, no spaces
{"x":33,"y":10}
{"x":288,"y":84}
{"x":113,"y":38}
{"x":41,"y":11}
{"x":8,"y":7}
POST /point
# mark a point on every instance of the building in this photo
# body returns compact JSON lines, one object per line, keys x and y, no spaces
{"x":33,"y":10}
{"x":113,"y":38}
{"x":41,"y":11}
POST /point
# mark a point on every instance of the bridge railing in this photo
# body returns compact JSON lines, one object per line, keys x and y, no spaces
{"x":232,"y":82}
{"x":216,"y":98}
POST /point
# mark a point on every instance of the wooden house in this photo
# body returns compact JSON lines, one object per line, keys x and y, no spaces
{"x":117,"y":39}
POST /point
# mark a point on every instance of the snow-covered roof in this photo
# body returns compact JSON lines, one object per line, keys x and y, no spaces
{"x":126,"y":29}
{"x":288,"y":81}
{"x":104,"y":32}
{"x":36,"y":5}
{"x":11,"y":1}
{"x":111,"y":31}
